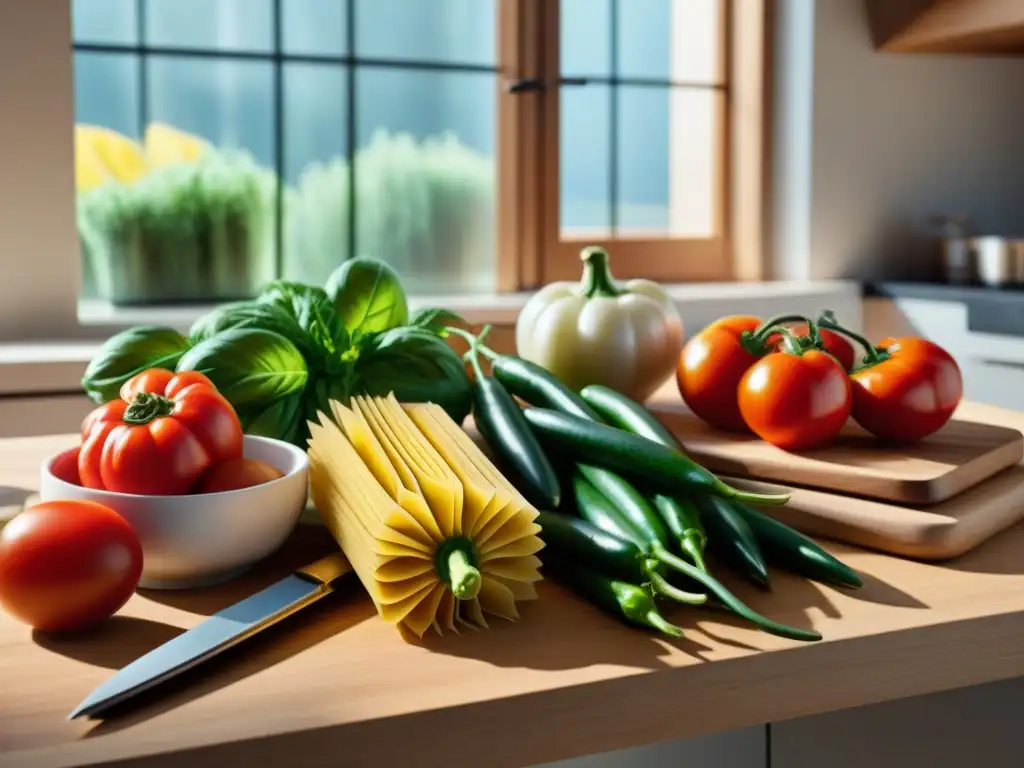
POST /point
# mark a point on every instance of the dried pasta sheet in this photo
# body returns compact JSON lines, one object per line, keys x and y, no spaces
{"x":437,"y":536}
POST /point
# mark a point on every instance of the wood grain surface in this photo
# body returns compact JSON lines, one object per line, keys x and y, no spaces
{"x":960,"y":455}
{"x":337,"y":686}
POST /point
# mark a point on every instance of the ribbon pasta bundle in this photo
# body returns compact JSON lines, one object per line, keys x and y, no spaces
{"x":437,"y":536}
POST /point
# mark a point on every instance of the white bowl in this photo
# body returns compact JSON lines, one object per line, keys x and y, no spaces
{"x":203,"y":539}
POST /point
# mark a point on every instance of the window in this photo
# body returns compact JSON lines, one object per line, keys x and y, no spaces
{"x":474,"y":144}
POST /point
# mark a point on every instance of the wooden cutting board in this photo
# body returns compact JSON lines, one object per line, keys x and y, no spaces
{"x":957,"y":457}
{"x":935,"y":532}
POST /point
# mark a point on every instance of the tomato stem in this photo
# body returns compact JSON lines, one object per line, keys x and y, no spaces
{"x":789,"y":340}
{"x":597,"y":276}
{"x":766,"y":328}
{"x":147,"y":406}
{"x":873,"y":355}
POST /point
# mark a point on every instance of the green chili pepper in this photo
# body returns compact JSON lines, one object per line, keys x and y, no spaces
{"x":680,"y":515}
{"x":500,"y":422}
{"x":732,"y":538}
{"x":613,"y":449}
{"x":795,"y":552}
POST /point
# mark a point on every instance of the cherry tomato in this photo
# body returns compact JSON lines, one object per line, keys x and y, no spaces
{"x":910,"y":393}
{"x":238,"y":473}
{"x":159,"y":438}
{"x":795,"y":401}
{"x":710,"y":368}
{"x":834,"y":343}
{"x":67,"y":565}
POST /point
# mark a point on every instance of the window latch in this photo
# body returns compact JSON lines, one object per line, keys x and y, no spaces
{"x":533,"y":84}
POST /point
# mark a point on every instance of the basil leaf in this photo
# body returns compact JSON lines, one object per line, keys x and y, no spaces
{"x":368,"y":296}
{"x":128,"y":353}
{"x":435,"y":319}
{"x":251,"y":314}
{"x":250,"y":366}
{"x":281,"y":420}
{"x":298,"y":300}
{"x":418,"y":367}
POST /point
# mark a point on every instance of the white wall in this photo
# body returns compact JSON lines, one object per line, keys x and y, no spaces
{"x":869,"y":144}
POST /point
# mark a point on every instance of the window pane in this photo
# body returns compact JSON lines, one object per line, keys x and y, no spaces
{"x":220,"y":24}
{"x":104,"y":21}
{"x":425,"y":176}
{"x":229,"y":103}
{"x":585,"y":38}
{"x":194,"y":222}
{"x":106,"y":124}
{"x":454,"y":31}
{"x":107,"y":91}
{"x":316,"y":170}
{"x":314,"y":27}
{"x":642,"y":161}
{"x":693,"y":161}
{"x":673,"y":39}
{"x":585,"y":141}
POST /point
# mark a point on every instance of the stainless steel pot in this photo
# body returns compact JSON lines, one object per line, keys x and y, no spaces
{"x":999,"y":260}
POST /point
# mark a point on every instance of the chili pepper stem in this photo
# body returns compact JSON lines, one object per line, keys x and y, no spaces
{"x":659,"y":622}
{"x":692,"y":544}
{"x":662,"y":587}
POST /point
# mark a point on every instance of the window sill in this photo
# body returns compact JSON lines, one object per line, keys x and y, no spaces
{"x":56,"y":367}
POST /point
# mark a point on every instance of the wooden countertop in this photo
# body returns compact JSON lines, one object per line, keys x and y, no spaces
{"x":335,"y":685}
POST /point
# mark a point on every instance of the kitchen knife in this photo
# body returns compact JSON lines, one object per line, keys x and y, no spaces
{"x":218,"y":633}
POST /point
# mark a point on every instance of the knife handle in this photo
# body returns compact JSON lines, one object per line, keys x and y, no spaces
{"x":326,"y":569}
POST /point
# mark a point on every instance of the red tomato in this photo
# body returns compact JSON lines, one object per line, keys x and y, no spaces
{"x":67,"y":565}
{"x":710,"y":368}
{"x":65,"y":467}
{"x":795,"y":401}
{"x":162,"y":434}
{"x":911,"y":393}
{"x":238,"y":473}
{"x":834,"y":343}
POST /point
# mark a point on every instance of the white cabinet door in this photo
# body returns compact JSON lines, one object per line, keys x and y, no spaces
{"x":979,"y":726}
{"x":735,"y":749}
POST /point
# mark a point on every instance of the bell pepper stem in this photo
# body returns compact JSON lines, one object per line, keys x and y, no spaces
{"x":873,"y":355}
{"x":147,"y":406}
{"x":597,"y":276}
{"x":662,"y":587}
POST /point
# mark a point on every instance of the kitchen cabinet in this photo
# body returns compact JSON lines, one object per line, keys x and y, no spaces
{"x":745,"y":748}
{"x":972,"y":726}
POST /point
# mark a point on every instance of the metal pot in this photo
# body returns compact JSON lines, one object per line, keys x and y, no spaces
{"x":1000,"y":260}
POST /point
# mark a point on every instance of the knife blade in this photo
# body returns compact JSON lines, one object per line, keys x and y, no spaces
{"x":218,"y":633}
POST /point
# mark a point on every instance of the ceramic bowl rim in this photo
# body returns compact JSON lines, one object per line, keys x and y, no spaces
{"x":301,"y":465}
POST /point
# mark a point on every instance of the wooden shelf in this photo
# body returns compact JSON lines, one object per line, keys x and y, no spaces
{"x":947,"y":26}
{"x":335,"y":685}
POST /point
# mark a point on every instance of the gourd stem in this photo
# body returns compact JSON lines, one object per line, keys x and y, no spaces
{"x":597,"y":277}
{"x":147,"y":406}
